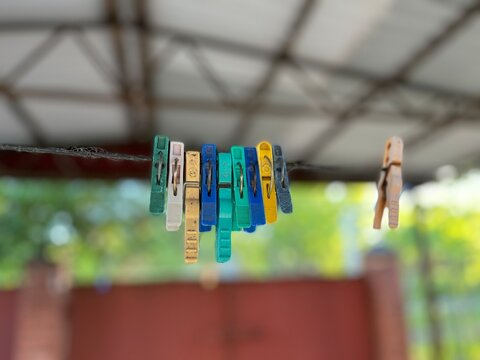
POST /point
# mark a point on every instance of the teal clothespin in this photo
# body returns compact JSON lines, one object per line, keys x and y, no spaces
{"x":159,"y":174}
{"x":240,"y":191}
{"x":223,"y":241}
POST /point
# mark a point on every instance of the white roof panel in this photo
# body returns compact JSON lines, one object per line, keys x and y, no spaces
{"x":13,"y":131}
{"x":71,"y":10}
{"x":262,"y":23}
{"x":66,"y":67}
{"x":77,"y":124}
{"x":408,"y":25}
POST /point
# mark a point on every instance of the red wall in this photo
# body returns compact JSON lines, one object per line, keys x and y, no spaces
{"x":7,"y":319}
{"x":280,"y":320}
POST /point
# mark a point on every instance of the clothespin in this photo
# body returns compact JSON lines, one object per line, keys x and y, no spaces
{"x":282,"y":184}
{"x":223,"y":241}
{"x":192,"y":206}
{"x":159,"y":174}
{"x":208,"y":212}
{"x":175,"y":187}
{"x":390,"y":183}
{"x":264,"y":150}
{"x":254,"y":186}
{"x":240,"y":192}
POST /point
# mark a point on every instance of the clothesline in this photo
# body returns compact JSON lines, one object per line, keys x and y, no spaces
{"x":99,"y":153}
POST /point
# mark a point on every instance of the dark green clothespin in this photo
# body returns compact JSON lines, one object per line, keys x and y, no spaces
{"x":159,"y":174}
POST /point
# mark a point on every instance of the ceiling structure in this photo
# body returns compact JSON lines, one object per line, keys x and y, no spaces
{"x":329,"y":80}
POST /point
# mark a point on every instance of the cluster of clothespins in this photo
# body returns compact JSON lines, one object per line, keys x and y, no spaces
{"x":232,"y":191}
{"x":240,"y":190}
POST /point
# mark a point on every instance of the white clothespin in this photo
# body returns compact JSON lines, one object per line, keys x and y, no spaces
{"x":175,"y":187}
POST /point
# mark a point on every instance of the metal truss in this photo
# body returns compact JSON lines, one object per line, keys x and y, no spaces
{"x":139,"y":94}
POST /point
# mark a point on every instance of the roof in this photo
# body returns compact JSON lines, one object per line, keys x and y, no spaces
{"x":328,"y":80}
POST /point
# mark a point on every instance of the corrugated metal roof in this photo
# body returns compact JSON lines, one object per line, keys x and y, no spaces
{"x":205,"y":59}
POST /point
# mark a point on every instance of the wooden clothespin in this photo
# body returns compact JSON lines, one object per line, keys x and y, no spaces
{"x":192,"y":206}
{"x":390,"y":183}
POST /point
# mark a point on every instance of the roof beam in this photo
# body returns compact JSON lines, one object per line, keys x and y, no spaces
{"x":254,"y":103}
{"x":33,"y":57}
{"x":342,"y":120}
{"x":116,"y":33}
{"x":147,"y":70}
{"x":282,"y":111}
{"x":437,"y":127}
{"x":233,"y":47}
{"x":26,"y":118}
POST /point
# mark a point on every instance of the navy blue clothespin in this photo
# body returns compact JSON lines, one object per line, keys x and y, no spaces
{"x":254,"y":188}
{"x":208,"y":209}
{"x":282,"y":183}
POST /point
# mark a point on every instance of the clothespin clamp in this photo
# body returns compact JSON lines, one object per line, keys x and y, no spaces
{"x":254,"y":186}
{"x":192,"y":206}
{"x":265,"y":159}
{"x":282,"y":184}
{"x":159,"y":175}
{"x":208,"y":212}
{"x":223,"y":241}
{"x":175,"y":187}
{"x":240,"y":192}
{"x":390,"y":183}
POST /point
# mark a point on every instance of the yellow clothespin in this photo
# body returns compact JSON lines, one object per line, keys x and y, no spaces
{"x":192,"y":206}
{"x":265,"y":160}
{"x":390,"y":183}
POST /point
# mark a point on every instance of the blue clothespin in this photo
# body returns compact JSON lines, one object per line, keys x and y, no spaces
{"x":208,"y":210}
{"x":282,"y":183}
{"x":254,"y":187}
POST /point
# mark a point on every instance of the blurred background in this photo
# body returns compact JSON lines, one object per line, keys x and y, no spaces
{"x":330,"y":81}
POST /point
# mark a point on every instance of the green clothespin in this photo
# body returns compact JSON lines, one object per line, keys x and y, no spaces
{"x":223,"y":241}
{"x":159,"y":174}
{"x":240,"y":190}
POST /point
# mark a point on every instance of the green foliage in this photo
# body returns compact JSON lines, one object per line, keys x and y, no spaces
{"x":102,"y":231}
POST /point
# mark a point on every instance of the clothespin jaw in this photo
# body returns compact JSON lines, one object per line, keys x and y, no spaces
{"x":282,"y":184}
{"x":208,"y":212}
{"x":175,"y":186}
{"x":240,"y":192}
{"x":254,"y":186}
{"x":159,"y":174}
{"x":192,"y":206}
{"x":390,"y":183}
{"x":265,"y":159}
{"x":223,"y":241}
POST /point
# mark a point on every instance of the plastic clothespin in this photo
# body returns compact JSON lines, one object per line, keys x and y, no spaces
{"x":159,"y":174}
{"x":264,"y":150}
{"x":282,"y":184}
{"x":175,"y":187}
{"x":240,"y":192}
{"x":192,"y":206}
{"x":254,"y":186}
{"x":223,"y":241}
{"x":208,"y":212}
{"x":390,"y":183}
